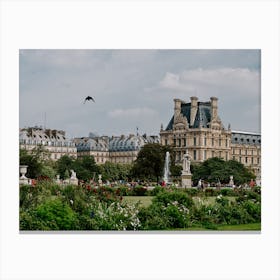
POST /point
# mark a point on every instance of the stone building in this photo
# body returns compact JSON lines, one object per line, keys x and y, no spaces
{"x":53,"y":141}
{"x":117,"y":149}
{"x":93,"y":146}
{"x":196,"y":126}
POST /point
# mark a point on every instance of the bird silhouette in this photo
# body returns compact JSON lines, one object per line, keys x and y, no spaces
{"x":88,"y":98}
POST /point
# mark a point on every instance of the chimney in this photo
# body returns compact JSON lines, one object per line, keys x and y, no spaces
{"x":214,"y":108}
{"x":193,"y":109}
{"x":177,"y":107}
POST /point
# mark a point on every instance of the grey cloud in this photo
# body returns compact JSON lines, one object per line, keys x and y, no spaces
{"x":57,"y":81}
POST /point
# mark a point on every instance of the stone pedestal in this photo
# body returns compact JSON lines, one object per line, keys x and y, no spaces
{"x":186,"y":180}
{"x":23,"y":180}
{"x":73,"y":181}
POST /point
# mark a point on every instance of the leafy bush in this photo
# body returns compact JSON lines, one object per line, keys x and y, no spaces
{"x":54,"y":207}
{"x":139,"y":191}
{"x":56,"y":215}
{"x":166,"y":197}
{"x":228,"y":192}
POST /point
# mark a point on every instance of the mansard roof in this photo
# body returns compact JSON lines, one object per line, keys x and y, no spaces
{"x":38,"y":135}
{"x":202,"y":118}
{"x":245,"y":138}
{"x":115,"y":143}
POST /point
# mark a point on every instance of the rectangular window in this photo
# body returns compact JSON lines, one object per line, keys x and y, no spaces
{"x":194,"y":141}
{"x":205,"y":141}
{"x":240,"y":151}
{"x":220,"y":142}
{"x":185,"y":142}
{"x":246,"y":160}
{"x":205,"y":154}
{"x":233,"y":157}
{"x":179,"y":142}
{"x":258,"y":160}
{"x":166,"y":142}
{"x":212,"y":142}
{"x":194,"y":154}
{"x":240,"y":159}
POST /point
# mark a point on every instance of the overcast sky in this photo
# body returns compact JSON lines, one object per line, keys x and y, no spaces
{"x":135,"y":88}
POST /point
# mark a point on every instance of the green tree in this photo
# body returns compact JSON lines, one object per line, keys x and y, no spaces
{"x":48,"y":171}
{"x":63,"y":164}
{"x":85,"y":167}
{"x":217,"y":169}
{"x":34,"y":162}
{"x":115,"y":171}
{"x":150,"y":162}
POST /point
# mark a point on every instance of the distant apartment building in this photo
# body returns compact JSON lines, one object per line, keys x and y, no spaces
{"x":117,"y":149}
{"x":54,"y":141}
{"x":197,"y":127}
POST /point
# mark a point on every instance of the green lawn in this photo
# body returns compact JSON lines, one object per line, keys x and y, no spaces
{"x":243,"y":227}
{"x":210,"y":199}
{"x":145,"y":201}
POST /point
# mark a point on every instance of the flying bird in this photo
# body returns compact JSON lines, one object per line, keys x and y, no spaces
{"x":88,"y":98}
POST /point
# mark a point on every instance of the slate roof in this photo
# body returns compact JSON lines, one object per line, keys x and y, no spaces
{"x":39,"y":136}
{"x":115,"y":143}
{"x":202,"y":118}
{"x":245,"y":138}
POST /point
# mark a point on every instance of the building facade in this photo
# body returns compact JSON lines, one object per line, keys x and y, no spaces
{"x":116,"y":149}
{"x":197,"y":127}
{"x":53,"y":141}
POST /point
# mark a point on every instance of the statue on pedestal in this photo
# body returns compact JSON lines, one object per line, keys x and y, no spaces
{"x":187,"y":163}
{"x":231,"y":183}
{"x":186,"y":172}
{"x":73,"y":174}
{"x":73,"y":178}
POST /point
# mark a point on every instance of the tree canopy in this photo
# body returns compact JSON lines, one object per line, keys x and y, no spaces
{"x":150,"y":162}
{"x":217,"y":169}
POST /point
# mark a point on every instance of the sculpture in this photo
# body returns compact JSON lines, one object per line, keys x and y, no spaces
{"x":187,"y":162}
{"x":186,"y":172}
{"x":73,"y":174}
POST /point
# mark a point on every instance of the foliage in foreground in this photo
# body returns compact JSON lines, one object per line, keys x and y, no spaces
{"x":52,"y":207}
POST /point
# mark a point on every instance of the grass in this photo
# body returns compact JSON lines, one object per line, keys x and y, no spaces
{"x":242,"y":227}
{"x":211,"y":199}
{"x":145,"y":201}
{"x":254,"y":226}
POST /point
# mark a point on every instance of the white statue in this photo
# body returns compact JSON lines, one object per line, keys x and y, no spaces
{"x":231,"y":183}
{"x":73,"y":174}
{"x":187,"y":162}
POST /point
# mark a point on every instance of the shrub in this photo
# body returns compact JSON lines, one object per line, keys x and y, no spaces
{"x":56,"y":215}
{"x":228,"y":192}
{"x":166,"y":197}
{"x":139,"y":191}
{"x":156,"y":190}
{"x":192,"y":191}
